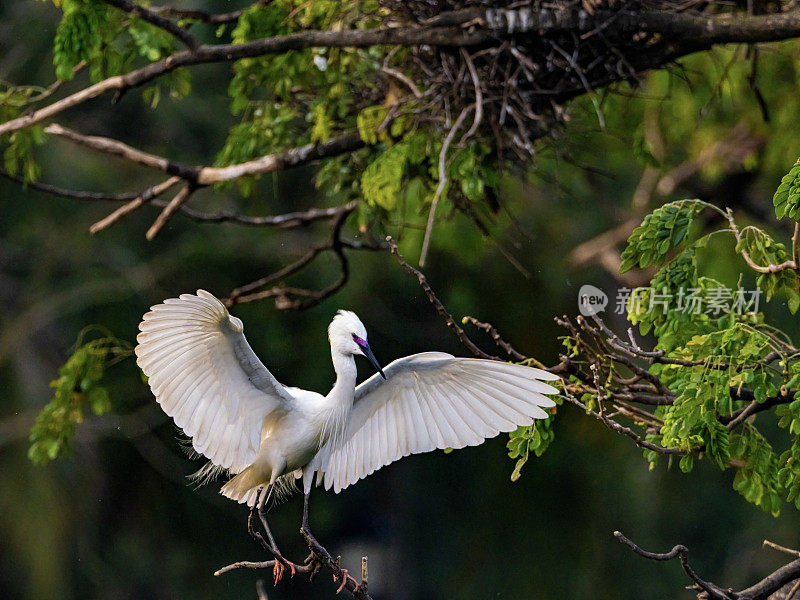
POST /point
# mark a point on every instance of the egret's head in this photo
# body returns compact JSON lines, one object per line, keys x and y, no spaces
{"x":348,"y":336}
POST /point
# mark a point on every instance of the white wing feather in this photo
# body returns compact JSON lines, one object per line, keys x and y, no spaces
{"x":431,"y":400}
{"x":207,"y":378}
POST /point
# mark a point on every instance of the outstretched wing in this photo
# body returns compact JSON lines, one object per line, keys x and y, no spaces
{"x":207,"y":378}
{"x":431,"y":400}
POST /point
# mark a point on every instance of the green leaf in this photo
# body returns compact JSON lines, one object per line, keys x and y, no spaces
{"x":369,"y":121}
{"x":76,"y":390}
{"x":787,"y":197}
{"x":661,"y":230}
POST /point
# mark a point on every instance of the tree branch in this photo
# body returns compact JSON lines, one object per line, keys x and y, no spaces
{"x":117,"y":148}
{"x":153,"y":18}
{"x":318,"y":559}
{"x":760,"y":591}
{"x":199,"y":15}
{"x":127,"y":208}
{"x":170,"y":209}
{"x":681,"y":552}
{"x":448,"y":318}
{"x":202,"y":175}
{"x":693,"y":32}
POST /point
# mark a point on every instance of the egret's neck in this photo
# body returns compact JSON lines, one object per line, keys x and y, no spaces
{"x":345,"y":366}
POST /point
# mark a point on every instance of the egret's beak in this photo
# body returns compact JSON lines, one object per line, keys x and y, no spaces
{"x":371,"y":358}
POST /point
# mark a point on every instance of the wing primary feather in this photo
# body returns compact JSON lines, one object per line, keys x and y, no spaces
{"x":438,"y":420}
{"x":475,"y":420}
{"x":516,"y":416}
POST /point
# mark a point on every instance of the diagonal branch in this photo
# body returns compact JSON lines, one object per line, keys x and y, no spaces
{"x":437,"y":304}
{"x":117,"y":148}
{"x":127,"y":208}
{"x":682,"y":553}
{"x":760,"y":591}
{"x":199,"y":15}
{"x":203,"y":175}
{"x":153,"y":18}
{"x":170,"y":209}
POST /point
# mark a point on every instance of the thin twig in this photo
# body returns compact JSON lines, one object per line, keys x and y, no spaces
{"x":153,"y":18}
{"x":789,"y":264}
{"x":478,"y":96}
{"x":448,"y":318}
{"x":780,"y":548}
{"x":127,"y":208}
{"x":442,"y":181}
{"x":405,"y":79}
{"x":498,"y":340}
{"x":199,"y":15}
{"x":169,"y":210}
{"x":682,"y":553}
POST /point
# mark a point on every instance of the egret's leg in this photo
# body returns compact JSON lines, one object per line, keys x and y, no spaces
{"x":260,"y":506}
{"x":251,"y":517}
{"x":262,"y":515}
{"x":305,"y":526}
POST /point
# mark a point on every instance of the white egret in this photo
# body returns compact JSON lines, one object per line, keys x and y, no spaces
{"x":206,"y":377}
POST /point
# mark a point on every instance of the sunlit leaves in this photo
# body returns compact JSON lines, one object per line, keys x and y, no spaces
{"x":79,"y":35}
{"x":764,"y":250}
{"x":77,"y":390}
{"x":526,"y":440}
{"x":787,"y":197}
{"x":384,"y":178}
{"x":18,"y":155}
{"x":758,"y":480}
{"x":369,"y":122}
{"x":661,"y":230}
{"x":721,"y":351}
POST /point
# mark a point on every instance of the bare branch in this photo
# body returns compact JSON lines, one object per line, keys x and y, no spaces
{"x":117,"y":148}
{"x":405,"y":79}
{"x":780,"y":548}
{"x":498,"y":340}
{"x":127,"y":208}
{"x":169,"y":210}
{"x":478,"y":96}
{"x":442,"y":182}
{"x":202,"y":175}
{"x":449,"y":320}
{"x":293,"y":157}
{"x":287,"y":297}
{"x":627,"y":431}
{"x":760,"y":591}
{"x":681,"y":552}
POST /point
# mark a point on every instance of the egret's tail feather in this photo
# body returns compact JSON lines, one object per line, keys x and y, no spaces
{"x":206,"y":474}
{"x":283,"y":488}
{"x":244,"y":487}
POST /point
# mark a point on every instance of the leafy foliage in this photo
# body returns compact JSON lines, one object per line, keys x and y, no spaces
{"x":764,"y":250}
{"x":77,"y":390}
{"x":787,"y":197}
{"x":719,"y":345}
{"x":81,"y":35}
{"x":661,"y":230}
{"x":534,"y":438}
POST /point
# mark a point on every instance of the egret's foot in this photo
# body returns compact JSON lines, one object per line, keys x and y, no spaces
{"x":345,"y":576}
{"x":280,"y":566}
